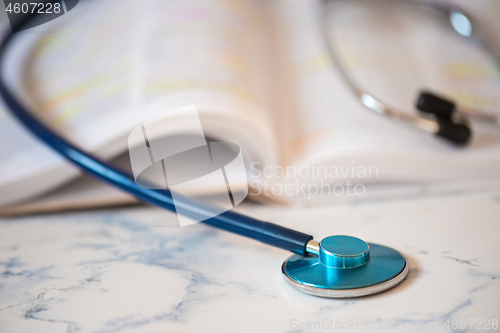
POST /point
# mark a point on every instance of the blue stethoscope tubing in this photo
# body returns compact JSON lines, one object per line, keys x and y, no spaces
{"x":339,"y":267}
{"x":265,"y":232}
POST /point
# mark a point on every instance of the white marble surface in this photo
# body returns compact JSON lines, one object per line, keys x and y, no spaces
{"x":125,"y":271}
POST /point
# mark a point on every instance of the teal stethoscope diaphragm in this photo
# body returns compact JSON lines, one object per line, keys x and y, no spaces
{"x":346,"y":267}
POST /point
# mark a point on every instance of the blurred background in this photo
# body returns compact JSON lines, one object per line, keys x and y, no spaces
{"x":260,"y":76}
{"x":77,"y":255}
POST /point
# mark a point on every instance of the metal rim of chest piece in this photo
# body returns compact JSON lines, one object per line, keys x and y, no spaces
{"x":346,"y":267}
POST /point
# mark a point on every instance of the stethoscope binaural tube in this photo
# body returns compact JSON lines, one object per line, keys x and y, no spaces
{"x":338,"y":266}
{"x":447,"y":120}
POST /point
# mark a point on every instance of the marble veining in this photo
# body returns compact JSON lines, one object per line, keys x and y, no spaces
{"x":134,"y":270}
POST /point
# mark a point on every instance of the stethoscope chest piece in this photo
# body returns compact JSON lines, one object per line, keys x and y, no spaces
{"x":346,"y":267}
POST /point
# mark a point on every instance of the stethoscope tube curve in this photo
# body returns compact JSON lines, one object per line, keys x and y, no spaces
{"x":265,"y":232}
{"x":456,"y":131}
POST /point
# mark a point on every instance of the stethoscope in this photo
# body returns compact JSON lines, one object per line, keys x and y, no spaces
{"x":446,"y":120}
{"x":337,"y":266}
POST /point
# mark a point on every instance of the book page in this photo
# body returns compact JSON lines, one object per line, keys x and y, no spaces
{"x":25,"y":162}
{"x":140,"y":59}
{"x":115,"y":64}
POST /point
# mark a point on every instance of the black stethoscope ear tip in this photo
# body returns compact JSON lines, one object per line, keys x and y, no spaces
{"x":429,"y":102}
{"x":455,"y":131}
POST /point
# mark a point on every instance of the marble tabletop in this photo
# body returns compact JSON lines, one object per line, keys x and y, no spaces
{"x":135,"y":270}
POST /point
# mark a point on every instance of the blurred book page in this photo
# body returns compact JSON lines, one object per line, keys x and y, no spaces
{"x":27,"y":165}
{"x":142,"y":58}
{"x":112,"y":65}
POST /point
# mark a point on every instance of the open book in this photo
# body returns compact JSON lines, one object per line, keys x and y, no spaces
{"x":260,"y":77}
